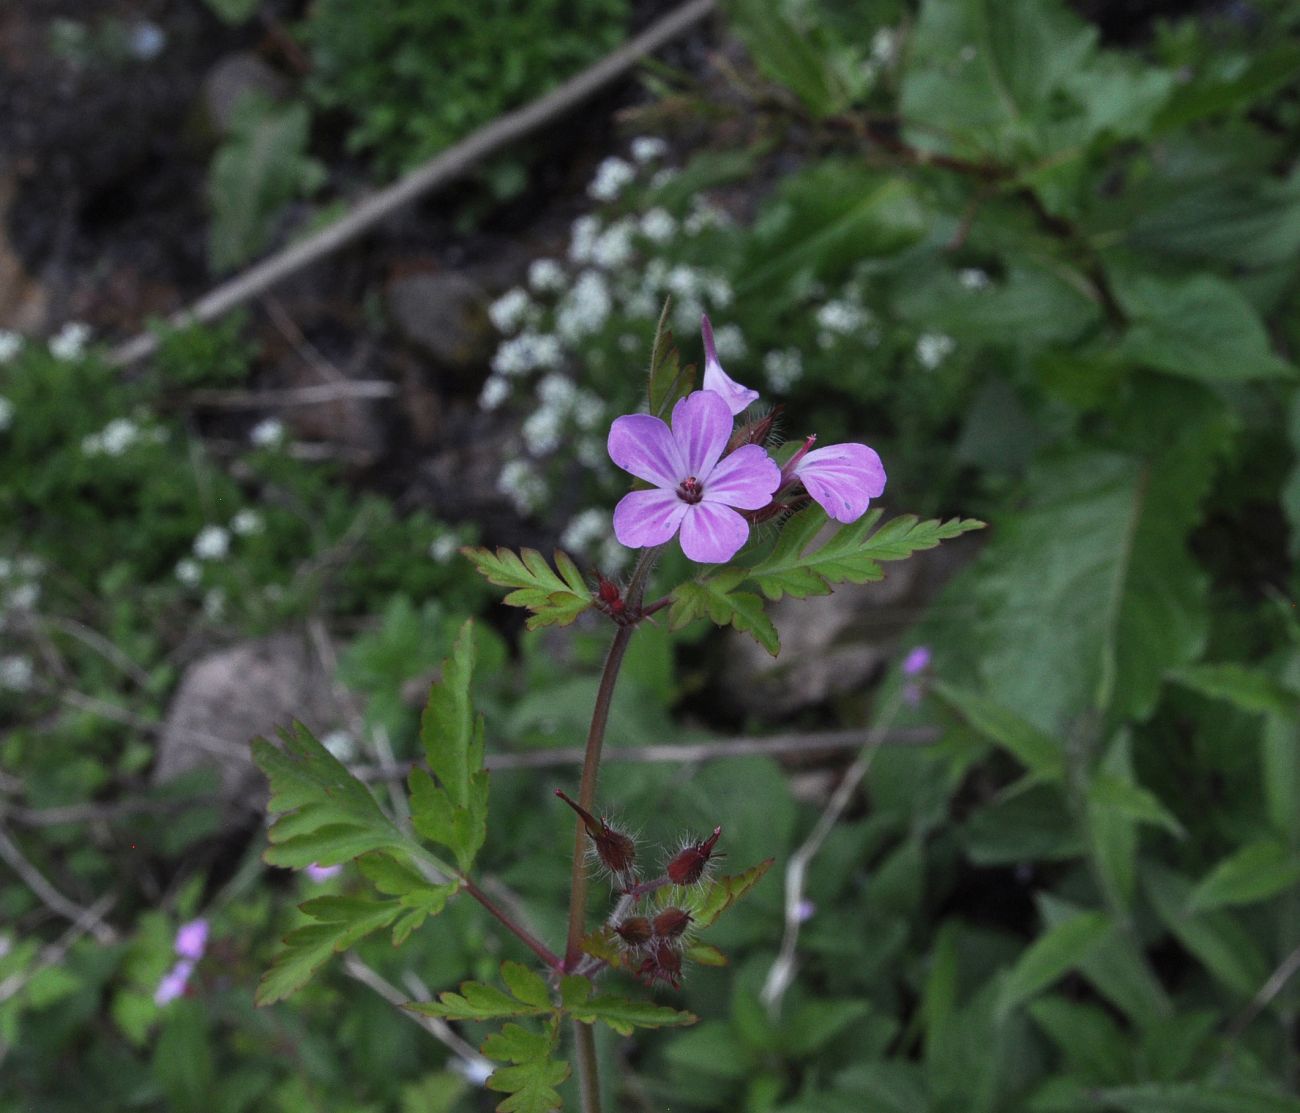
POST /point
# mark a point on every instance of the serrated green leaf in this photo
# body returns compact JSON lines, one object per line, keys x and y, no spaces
{"x":621,"y":1014}
{"x":452,"y":812}
{"x":554,"y":598}
{"x":526,"y":984}
{"x":853,"y":555}
{"x":1036,"y":750}
{"x":1053,"y":954}
{"x":1249,"y":689}
{"x":479,"y":1001}
{"x":724,"y":892}
{"x":306,"y":949}
{"x":531,"y":1083}
{"x":326,"y":815}
{"x":1255,"y":872}
{"x":668,"y":380}
{"x":712,"y":598}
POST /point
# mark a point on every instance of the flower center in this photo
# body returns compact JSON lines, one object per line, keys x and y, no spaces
{"x":690,"y":490}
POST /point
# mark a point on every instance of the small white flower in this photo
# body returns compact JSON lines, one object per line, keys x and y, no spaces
{"x":189,"y":571}
{"x":119,"y":435}
{"x":543,"y":430}
{"x":884,"y":46}
{"x":443,"y":548}
{"x":719,"y":290}
{"x":340,"y":744}
{"x":613,"y":247}
{"x":24,"y":597}
{"x":784,"y":368}
{"x":247,"y":522}
{"x":495,"y":391}
{"x":583,"y":529}
{"x":588,"y":410}
{"x":663,"y":177}
{"x":704,"y":215}
{"x":684,"y":281}
{"x":214,"y":604}
{"x":6,"y":412}
{"x":557,"y":392}
{"x":730,"y":343}
{"x":611,"y":177}
{"x":546,"y":276}
{"x":932,"y":348}
{"x":973,"y":278}
{"x":267,"y":433}
{"x":647,"y":148}
{"x":582,"y":238}
{"x":686,"y":314}
{"x":70,"y":342}
{"x":585,"y":308}
{"x":658,"y":225}
{"x":521,"y":485}
{"x":11,"y":343}
{"x":842,"y":317}
{"x":212,"y":543}
{"x":16,"y":673}
{"x":510,"y":310}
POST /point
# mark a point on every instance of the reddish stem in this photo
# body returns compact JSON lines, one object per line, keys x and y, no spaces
{"x":536,"y":946}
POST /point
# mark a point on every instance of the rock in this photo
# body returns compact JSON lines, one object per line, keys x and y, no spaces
{"x":445,"y":317}
{"x":230,"y":80}
{"x":233,"y":695}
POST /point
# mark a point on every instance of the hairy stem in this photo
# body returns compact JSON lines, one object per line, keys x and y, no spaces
{"x":538,"y":948}
{"x":584,"y":1040}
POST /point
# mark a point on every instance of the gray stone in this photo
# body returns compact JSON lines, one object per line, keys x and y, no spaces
{"x":445,"y":317}
{"x":231,"y":696}
{"x":230,"y":80}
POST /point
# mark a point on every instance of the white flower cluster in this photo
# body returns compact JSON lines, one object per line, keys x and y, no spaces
{"x":529,"y":351}
{"x":11,"y":343}
{"x":212,"y":543}
{"x":932,"y":348}
{"x":585,"y":308}
{"x":973,"y":278}
{"x":247,"y":523}
{"x":70,"y":341}
{"x":585,"y":530}
{"x":267,"y":433}
{"x":546,"y":276}
{"x":648,"y":148}
{"x":658,"y":225}
{"x":444,"y":548}
{"x":521,"y":484}
{"x":559,"y":403}
{"x":613,"y":175}
{"x":16,"y":673}
{"x":119,"y":436}
{"x":783,"y":368}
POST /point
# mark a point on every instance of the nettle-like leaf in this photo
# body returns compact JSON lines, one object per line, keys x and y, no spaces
{"x":714,"y":598}
{"x":554,"y":599}
{"x":669,"y":379}
{"x":620,"y":1013}
{"x":453,"y":811}
{"x":531,"y":1081}
{"x":342,"y":922}
{"x":327,"y":816}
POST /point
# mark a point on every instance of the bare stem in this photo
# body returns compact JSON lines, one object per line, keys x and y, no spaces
{"x":584,"y":1041}
{"x":538,"y":948}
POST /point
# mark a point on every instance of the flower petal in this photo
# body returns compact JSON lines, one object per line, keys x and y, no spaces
{"x":644,"y":518}
{"x":701,"y":428}
{"x":717,"y":380}
{"x":712,"y":533}
{"x":644,"y":446}
{"x":843,"y":478}
{"x":747,"y":478}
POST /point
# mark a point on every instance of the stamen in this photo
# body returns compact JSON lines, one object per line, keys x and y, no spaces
{"x":690,"y":490}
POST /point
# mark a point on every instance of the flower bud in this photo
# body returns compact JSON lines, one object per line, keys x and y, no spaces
{"x":617,"y":851}
{"x":688,"y":865}
{"x":634,"y":931}
{"x":671,"y":923}
{"x":663,"y":965}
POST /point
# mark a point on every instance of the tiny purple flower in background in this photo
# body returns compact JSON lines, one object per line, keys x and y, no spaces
{"x":917,"y":661}
{"x":173,"y":983}
{"x":805,"y":910}
{"x":322,"y":873}
{"x":192,"y":939}
{"x":717,"y":380}
{"x":696,"y":488}
{"x":841,"y":478}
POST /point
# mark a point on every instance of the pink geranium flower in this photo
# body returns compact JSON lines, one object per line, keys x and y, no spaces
{"x":192,"y":939}
{"x":841,"y":478}
{"x":717,"y":380}
{"x":696,"y":488}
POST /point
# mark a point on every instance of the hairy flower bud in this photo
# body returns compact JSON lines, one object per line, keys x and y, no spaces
{"x":687,"y":866}
{"x":671,"y":923}
{"x":663,"y":965}
{"x":634,"y":931}
{"x":617,"y":851}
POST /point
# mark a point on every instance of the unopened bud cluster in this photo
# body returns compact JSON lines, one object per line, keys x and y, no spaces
{"x":652,"y":939}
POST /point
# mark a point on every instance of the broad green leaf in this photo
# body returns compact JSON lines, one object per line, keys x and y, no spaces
{"x":1101,"y":548}
{"x":1199,"y":327}
{"x":1215,"y":938}
{"x":452,"y":812}
{"x":620,"y":1013}
{"x":1092,"y":1043}
{"x":714,"y":599}
{"x":1255,"y":872}
{"x":1196,"y":1097}
{"x":1052,"y":955}
{"x":259,"y":169}
{"x":669,"y":380}
{"x":826,"y":220}
{"x":343,"y":921}
{"x":1250,"y":689}
{"x":554,"y":598}
{"x":815,"y":1023}
{"x":724,"y":892}
{"x":798,"y":566}
{"x":326,"y":815}
{"x":1113,"y":831}
{"x":531,"y":1082}
{"x":1036,"y":750}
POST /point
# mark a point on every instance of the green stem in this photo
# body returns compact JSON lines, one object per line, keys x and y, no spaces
{"x":584,"y":1040}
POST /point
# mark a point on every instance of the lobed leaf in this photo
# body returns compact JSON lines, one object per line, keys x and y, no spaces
{"x":528,"y":996}
{"x":714,"y":599}
{"x":532,"y":1080}
{"x":620,"y":1013}
{"x":555,"y":598}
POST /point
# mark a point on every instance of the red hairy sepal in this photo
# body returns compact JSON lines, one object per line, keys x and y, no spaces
{"x":615,"y":850}
{"x":671,"y":923}
{"x":689,"y":864}
{"x":663,"y":965}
